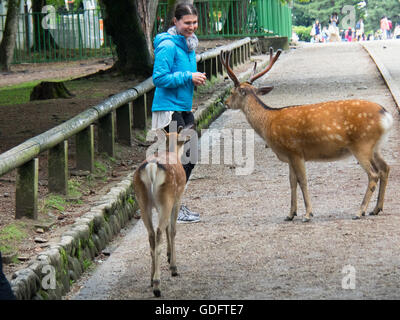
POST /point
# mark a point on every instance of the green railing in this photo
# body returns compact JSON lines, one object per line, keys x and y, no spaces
{"x":236,"y":18}
{"x":66,"y":36}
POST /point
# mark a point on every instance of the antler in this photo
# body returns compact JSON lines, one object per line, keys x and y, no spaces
{"x":225,"y":62}
{"x":272,"y":60}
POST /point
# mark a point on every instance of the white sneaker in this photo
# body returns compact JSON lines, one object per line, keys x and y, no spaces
{"x":187,"y":216}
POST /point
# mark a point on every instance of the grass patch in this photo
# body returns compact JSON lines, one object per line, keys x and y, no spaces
{"x":20,"y":93}
{"x":17,"y":94}
{"x":74,"y":189}
{"x":54,"y":202}
{"x":10,"y":236}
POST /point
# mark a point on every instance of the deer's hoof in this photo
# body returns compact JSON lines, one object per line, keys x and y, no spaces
{"x":356,"y":218}
{"x":305,"y":219}
{"x":157,"y":293}
{"x":174,"y":271}
{"x":290,"y":218}
{"x":375,"y":212}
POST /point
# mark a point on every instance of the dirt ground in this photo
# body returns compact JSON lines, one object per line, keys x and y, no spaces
{"x":23,"y":121}
{"x":242,"y":249}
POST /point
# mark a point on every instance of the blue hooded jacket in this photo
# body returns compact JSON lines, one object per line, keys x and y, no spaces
{"x":172,"y":73}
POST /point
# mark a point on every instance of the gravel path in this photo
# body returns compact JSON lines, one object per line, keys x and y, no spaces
{"x":242,"y":248}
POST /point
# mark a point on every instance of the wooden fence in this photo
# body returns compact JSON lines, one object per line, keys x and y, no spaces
{"x":128,"y":110}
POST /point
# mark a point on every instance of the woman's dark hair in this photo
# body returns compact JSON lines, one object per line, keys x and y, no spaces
{"x":183,"y":9}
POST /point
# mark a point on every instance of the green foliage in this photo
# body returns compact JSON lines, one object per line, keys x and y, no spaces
{"x":16,"y":94}
{"x":86,"y":264}
{"x":100,"y":168}
{"x":56,"y":202}
{"x":303,"y":32}
{"x":10,"y":236}
{"x":74,"y":187}
{"x":306,"y":11}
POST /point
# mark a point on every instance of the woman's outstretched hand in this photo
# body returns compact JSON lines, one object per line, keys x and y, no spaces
{"x":199,"y":78}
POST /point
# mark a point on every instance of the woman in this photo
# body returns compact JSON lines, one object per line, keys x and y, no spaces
{"x":174,"y":76}
{"x":316,"y":31}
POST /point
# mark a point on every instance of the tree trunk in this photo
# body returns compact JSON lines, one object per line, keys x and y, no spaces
{"x":50,"y":90}
{"x":124,"y":25}
{"x":147,"y":12}
{"x":234,"y":20}
{"x":37,"y":6}
{"x":9,"y":36}
{"x":171,"y":10}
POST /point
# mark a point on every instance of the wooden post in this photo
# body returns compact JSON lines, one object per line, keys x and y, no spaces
{"x":140,"y":112}
{"x":106,"y":134}
{"x":220,"y":67}
{"x":149,"y":101}
{"x":85,"y":149}
{"x":26,"y":196}
{"x":124,"y":124}
{"x":201,"y":67}
{"x":208,"y":68}
{"x":235,"y":57}
{"x":58,"y":168}
{"x":215,"y":67}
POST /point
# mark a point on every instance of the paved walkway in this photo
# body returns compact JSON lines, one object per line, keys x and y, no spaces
{"x":386,"y":54}
{"x":242,"y":248}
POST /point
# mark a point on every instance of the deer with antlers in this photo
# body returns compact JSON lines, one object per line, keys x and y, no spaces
{"x":325,"y":131}
{"x":159,"y":182}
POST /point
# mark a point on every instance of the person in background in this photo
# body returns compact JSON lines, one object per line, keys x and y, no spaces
{"x":325,"y":34}
{"x":390,"y":24}
{"x":349,"y":35}
{"x":360,"y":30}
{"x":384,"y":25}
{"x":174,"y":76}
{"x":333,"y":28}
{"x":316,"y":31}
{"x":396,"y":32}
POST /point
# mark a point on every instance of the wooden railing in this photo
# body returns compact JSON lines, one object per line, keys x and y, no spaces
{"x":132,"y":108}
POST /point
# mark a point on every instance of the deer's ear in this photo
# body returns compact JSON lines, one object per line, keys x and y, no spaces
{"x":264,"y":90}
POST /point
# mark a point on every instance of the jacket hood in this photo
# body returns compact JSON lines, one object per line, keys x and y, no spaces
{"x":177,"y":39}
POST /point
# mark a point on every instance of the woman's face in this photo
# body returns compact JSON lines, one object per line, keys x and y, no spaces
{"x":187,"y":25}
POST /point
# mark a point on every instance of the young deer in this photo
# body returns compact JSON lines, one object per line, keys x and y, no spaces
{"x":159,"y":183}
{"x":324,"y":131}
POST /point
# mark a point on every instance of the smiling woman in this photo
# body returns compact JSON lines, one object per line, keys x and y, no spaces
{"x":175,"y":76}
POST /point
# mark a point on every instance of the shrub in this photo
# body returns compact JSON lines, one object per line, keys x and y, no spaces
{"x":303,"y":32}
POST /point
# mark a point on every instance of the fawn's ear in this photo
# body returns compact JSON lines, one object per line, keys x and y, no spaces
{"x":264,"y":90}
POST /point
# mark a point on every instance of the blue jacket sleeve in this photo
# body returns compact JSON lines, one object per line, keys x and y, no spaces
{"x":163,"y":76}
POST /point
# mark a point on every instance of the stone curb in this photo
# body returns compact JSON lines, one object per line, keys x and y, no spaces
{"x":394,"y":90}
{"x":50,"y":275}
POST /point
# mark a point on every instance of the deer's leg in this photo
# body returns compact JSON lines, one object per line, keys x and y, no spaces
{"x":383,"y":178}
{"x":172,"y":230}
{"x":167,"y":233}
{"x":367,"y":163}
{"x":146,"y":214}
{"x":300,"y":171}
{"x":165,"y":213}
{"x":293,"y":194}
